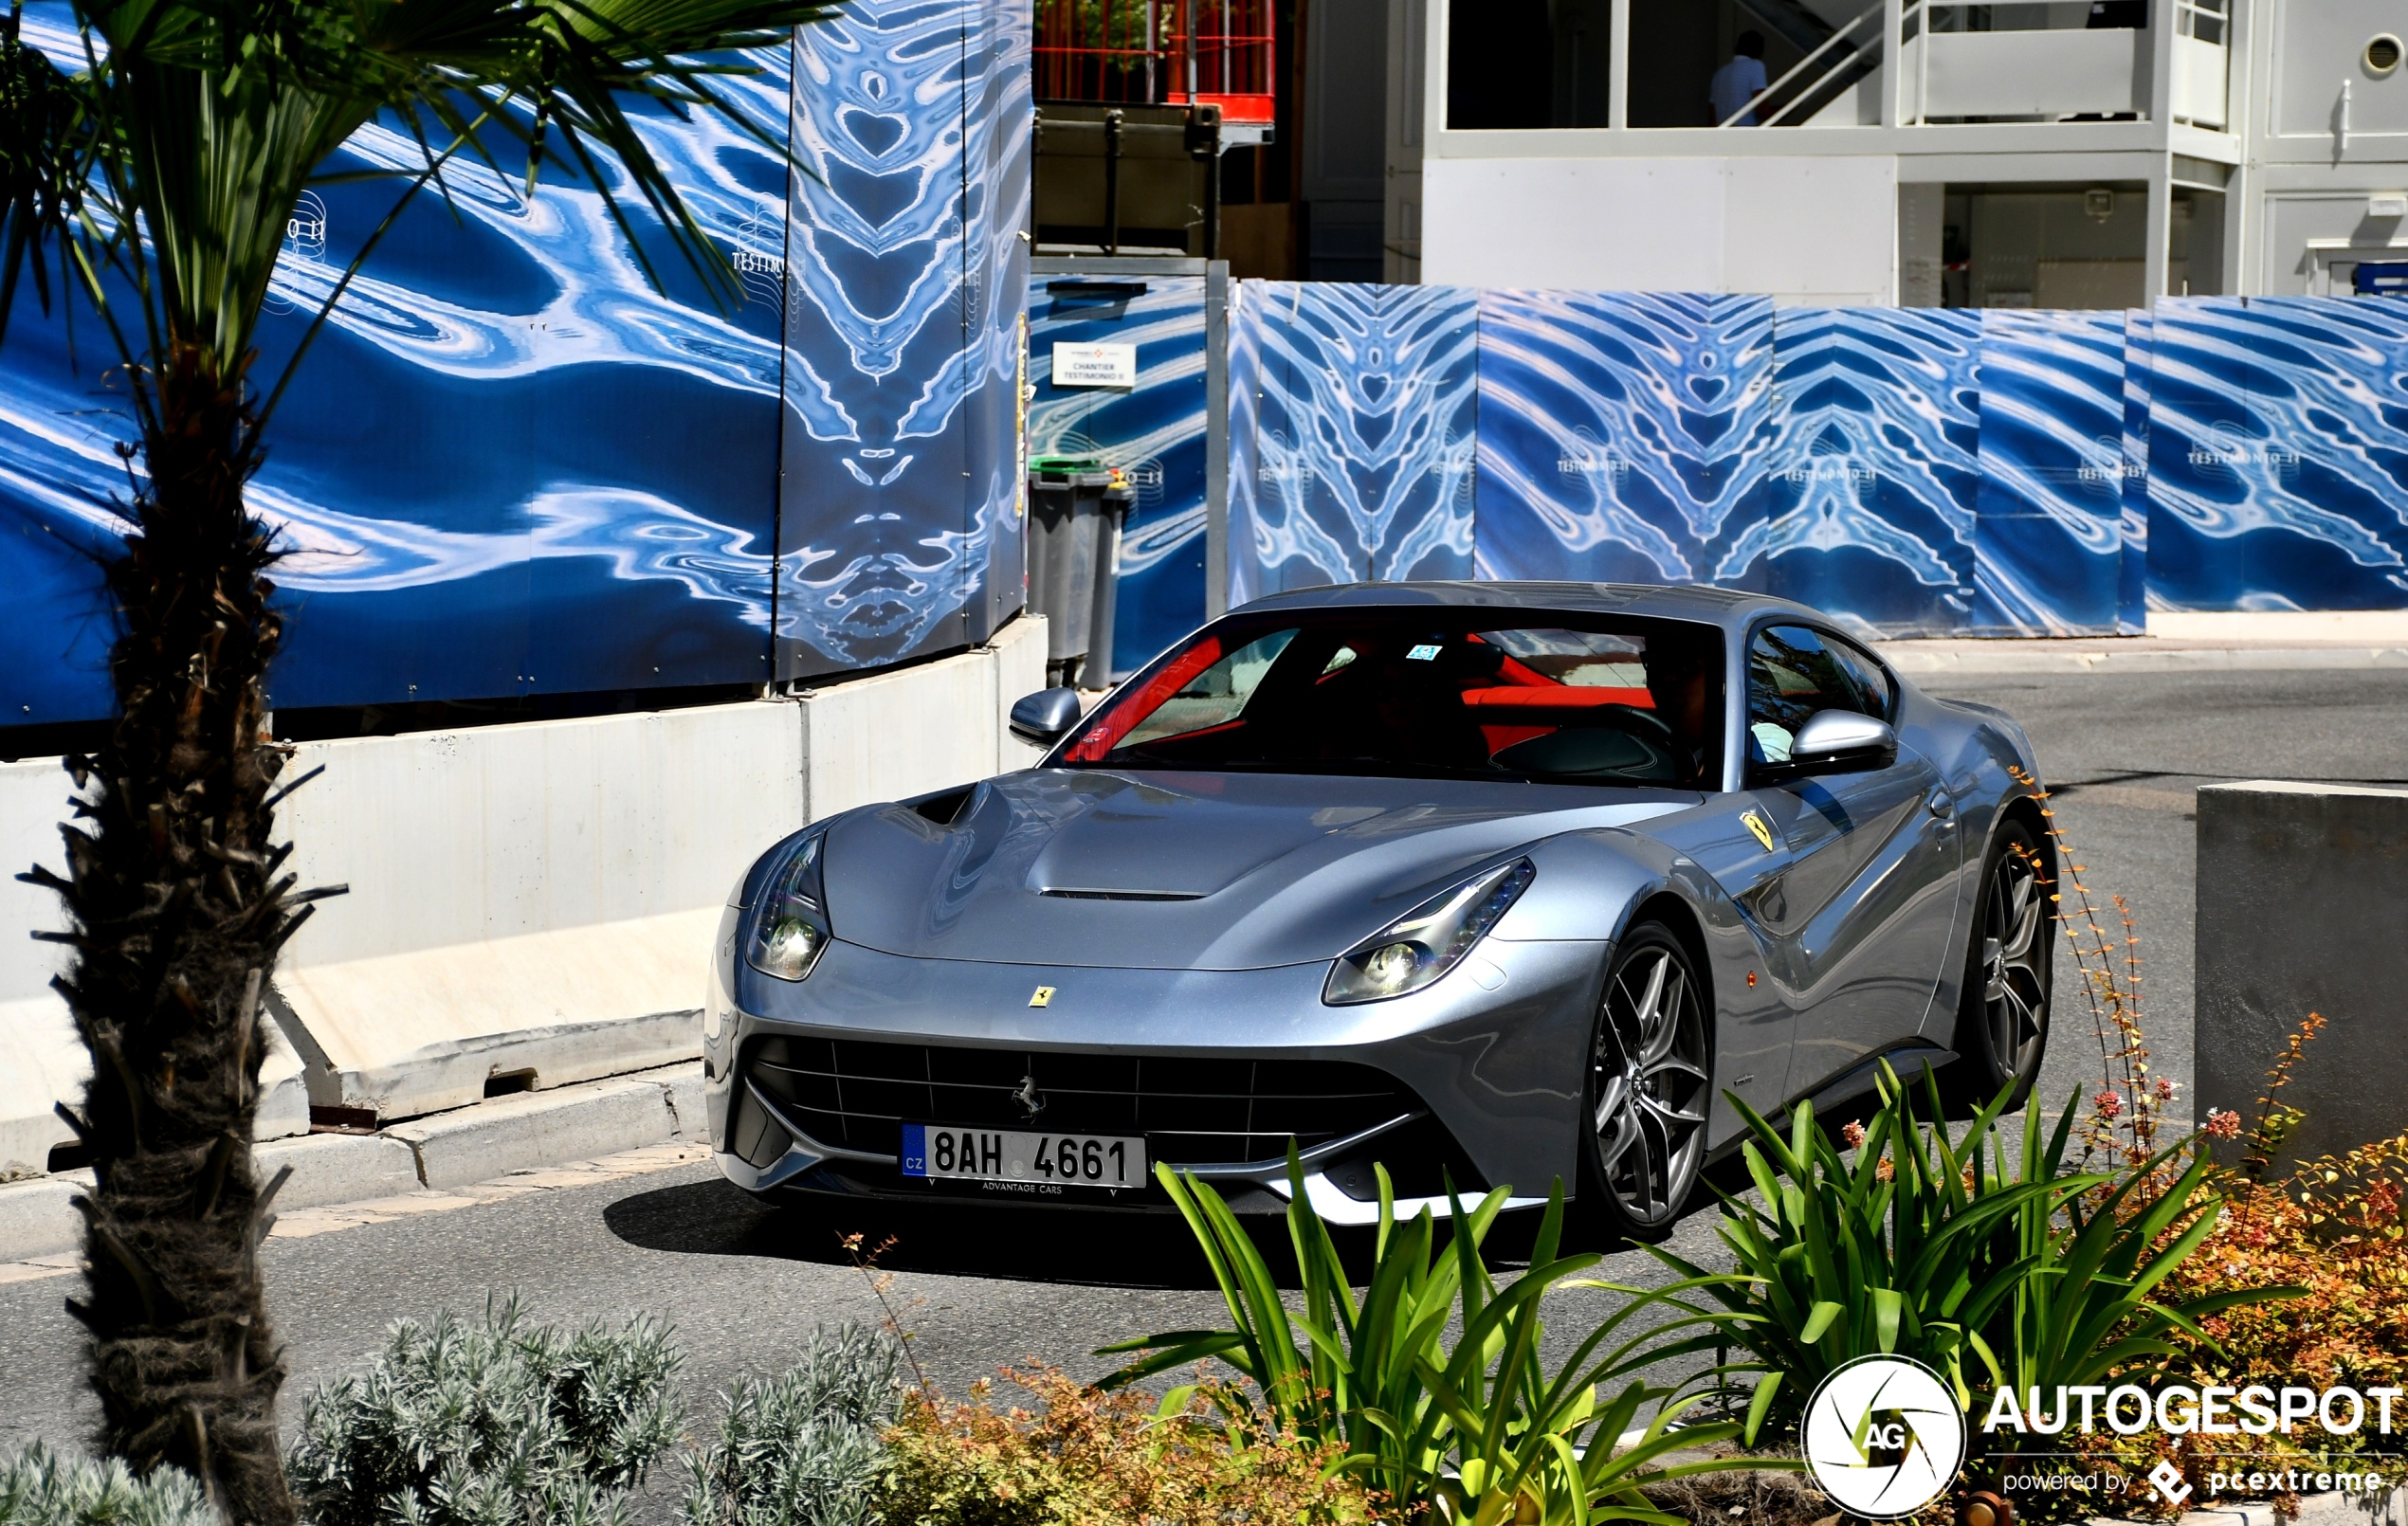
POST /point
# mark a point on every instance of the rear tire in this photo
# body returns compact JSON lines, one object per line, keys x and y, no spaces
{"x":1650,"y":1084}
{"x":2002,"y":1011}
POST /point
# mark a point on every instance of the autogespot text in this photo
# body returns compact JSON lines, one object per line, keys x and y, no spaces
{"x":2178,"y":1410}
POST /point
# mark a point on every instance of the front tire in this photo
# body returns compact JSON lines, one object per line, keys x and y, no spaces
{"x":1651,"y":1081}
{"x":2002,"y":1011}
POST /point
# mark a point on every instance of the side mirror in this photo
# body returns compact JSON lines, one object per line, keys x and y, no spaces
{"x":1842,"y":741}
{"x":1042,"y":717}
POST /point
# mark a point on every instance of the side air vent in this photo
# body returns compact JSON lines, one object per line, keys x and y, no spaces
{"x":1124,"y":895}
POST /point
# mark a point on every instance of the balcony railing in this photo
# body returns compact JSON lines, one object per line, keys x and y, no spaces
{"x":1954,"y":67}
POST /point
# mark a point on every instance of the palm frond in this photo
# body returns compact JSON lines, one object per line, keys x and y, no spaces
{"x":47,"y":139}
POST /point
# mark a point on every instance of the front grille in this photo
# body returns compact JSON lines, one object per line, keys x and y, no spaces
{"x":857,"y":1093}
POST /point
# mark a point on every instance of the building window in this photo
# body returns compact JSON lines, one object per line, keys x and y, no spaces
{"x":2037,"y":245}
{"x":1520,"y":63}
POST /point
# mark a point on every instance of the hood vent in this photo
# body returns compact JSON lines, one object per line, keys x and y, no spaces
{"x":1124,"y":895}
{"x":945,"y":809}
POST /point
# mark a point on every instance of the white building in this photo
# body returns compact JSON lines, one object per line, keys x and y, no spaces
{"x":1922,"y":152}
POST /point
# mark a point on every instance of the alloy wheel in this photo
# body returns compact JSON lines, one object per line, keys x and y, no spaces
{"x":2013,"y":987}
{"x":1650,"y":1083}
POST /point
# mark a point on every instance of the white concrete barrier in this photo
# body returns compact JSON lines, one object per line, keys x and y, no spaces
{"x":530,"y":905}
{"x":42,"y":1062}
{"x":2303,"y":907}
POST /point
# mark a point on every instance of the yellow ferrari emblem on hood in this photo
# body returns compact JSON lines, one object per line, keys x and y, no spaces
{"x":1041,"y":997}
{"x":1756,"y":824}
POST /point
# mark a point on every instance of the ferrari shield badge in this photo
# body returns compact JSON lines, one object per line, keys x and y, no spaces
{"x":1041,"y":997}
{"x":1756,"y":824}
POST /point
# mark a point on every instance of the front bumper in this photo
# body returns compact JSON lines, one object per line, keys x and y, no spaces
{"x":1496,"y":1052}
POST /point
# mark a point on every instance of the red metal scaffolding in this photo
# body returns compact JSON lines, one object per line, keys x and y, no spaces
{"x":1158,"y":52}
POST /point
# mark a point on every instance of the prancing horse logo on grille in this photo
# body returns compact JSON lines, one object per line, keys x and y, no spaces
{"x":1032,"y":1100}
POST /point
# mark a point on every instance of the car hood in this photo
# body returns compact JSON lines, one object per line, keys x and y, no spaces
{"x":1188,"y":871}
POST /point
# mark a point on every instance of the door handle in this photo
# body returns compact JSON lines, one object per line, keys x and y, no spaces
{"x":1940,"y":805}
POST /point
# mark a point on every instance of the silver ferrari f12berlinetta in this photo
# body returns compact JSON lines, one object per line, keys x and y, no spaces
{"x":1489,"y":883}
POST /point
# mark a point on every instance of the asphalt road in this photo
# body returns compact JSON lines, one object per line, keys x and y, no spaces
{"x":744,"y":1286}
{"x":2124,"y":756}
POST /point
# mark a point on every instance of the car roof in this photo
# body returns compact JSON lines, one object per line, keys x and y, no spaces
{"x":1727,"y":608}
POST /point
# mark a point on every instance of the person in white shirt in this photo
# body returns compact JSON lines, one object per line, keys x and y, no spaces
{"x":1740,"y":81}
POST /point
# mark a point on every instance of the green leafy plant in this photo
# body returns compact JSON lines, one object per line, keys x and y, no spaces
{"x":1992,"y":1267}
{"x":1478,"y":1428}
{"x":804,"y":1448}
{"x":2089,"y":1309}
{"x":39,"y":1487}
{"x":1897,"y":1250}
{"x":497,"y":1424}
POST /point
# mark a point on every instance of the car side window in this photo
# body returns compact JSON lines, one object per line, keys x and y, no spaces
{"x":1873,"y":682}
{"x":1216,"y":696}
{"x":1792,"y":673}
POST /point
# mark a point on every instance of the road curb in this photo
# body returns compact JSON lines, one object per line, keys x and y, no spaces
{"x":443,"y":1151}
{"x":509,"y":1134}
{"x":38,"y":1217}
{"x":2137,"y":654}
{"x":336,"y":1168}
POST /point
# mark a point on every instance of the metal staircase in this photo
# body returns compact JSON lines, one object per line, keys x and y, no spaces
{"x":1837,"y":58}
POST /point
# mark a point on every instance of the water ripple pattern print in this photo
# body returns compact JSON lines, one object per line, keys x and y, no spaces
{"x":1154,"y":432}
{"x":2132,"y":576}
{"x":508,"y":466}
{"x":903,"y":328}
{"x":1868,"y":506}
{"x":2049,"y":539}
{"x":1358,"y":463}
{"x":999,"y":118}
{"x":2278,"y":454}
{"x":1619,"y":432}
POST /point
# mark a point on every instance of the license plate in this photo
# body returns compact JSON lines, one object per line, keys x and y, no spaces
{"x":1040,"y":1165}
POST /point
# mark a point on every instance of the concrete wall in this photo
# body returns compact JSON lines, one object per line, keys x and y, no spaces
{"x":1819,"y":231}
{"x":530,"y":902}
{"x":2303,"y":907}
{"x":42,"y":1062}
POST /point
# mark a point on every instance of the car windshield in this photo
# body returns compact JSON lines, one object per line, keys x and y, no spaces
{"x":1421,"y":693}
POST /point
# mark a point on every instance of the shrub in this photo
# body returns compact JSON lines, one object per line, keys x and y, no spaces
{"x":802,"y":1449}
{"x":2332,"y":1229}
{"x":39,"y":1487}
{"x":1085,"y":1458}
{"x":494,"y":1425}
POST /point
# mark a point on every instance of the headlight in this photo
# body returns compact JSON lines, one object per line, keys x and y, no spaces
{"x":790,"y":927}
{"x":1428,"y":941}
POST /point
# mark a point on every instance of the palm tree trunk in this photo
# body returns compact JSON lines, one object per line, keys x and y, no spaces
{"x":178,"y":911}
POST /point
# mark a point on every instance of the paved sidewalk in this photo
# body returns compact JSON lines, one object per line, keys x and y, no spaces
{"x":423,"y":1165}
{"x":2136,"y":654}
